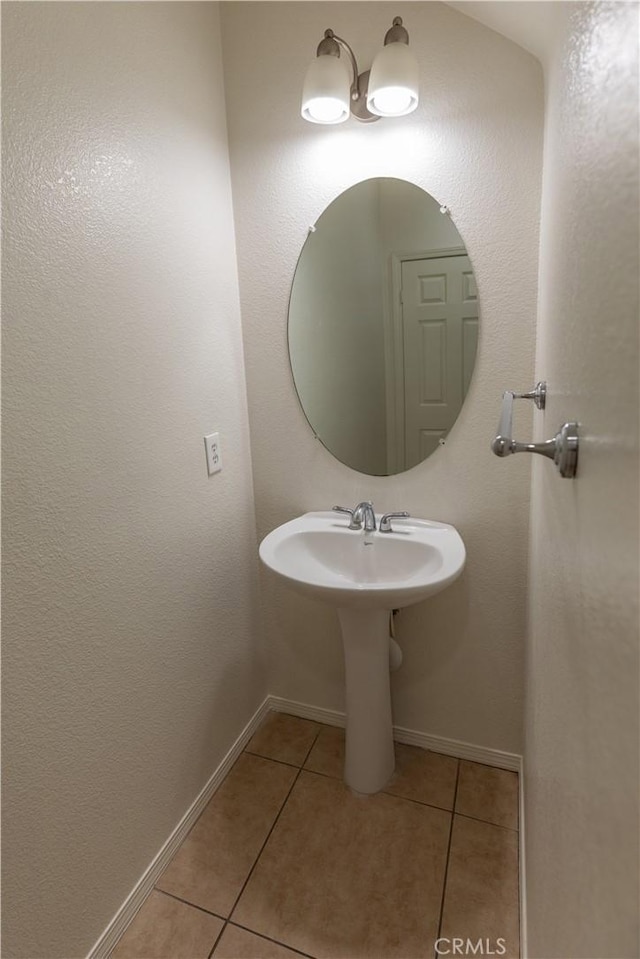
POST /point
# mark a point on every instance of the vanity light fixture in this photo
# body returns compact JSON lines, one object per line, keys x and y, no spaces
{"x":389,"y":89}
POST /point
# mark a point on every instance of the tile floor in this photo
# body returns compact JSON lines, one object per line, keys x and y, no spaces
{"x":286,"y":861}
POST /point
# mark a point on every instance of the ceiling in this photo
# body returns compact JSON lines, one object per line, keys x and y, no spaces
{"x":529,"y":23}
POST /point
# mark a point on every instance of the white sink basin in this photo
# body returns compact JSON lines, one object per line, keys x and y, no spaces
{"x":365,"y":576}
{"x":321,"y":557}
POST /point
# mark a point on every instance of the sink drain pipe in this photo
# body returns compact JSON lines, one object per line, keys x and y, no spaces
{"x":395,"y":653}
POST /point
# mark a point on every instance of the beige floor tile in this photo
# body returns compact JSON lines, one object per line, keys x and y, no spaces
{"x":285,"y":738}
{"x":237,"y":943}
{"x":215,"y":859}
{"x":424,"y":776}
{"x":167,"y":929}
{"x":327,"y":755}
{"x":481,"y":899}
{"x":489,"y":794}
{"x":421,"y":775}
{"x":344,"y":876}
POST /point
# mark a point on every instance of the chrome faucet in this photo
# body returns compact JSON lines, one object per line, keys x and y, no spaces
{"x":362,"y":512}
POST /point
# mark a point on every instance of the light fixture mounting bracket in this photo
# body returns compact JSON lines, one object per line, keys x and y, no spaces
{"x":360,"y":81}
{"x":359,"y":103}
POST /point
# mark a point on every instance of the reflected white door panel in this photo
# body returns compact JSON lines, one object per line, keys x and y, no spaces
{"x":440,"y":335}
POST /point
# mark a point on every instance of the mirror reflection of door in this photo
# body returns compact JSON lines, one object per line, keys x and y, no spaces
{"x":439,"y":327}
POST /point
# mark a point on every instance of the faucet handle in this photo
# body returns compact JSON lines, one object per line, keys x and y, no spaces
{"x":354,"y":523}
{"x":385,"y":522}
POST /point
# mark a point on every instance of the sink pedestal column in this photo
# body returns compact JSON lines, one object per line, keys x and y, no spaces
{"x":369,"y":757}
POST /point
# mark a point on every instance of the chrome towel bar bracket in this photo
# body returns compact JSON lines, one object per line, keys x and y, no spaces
{"x":562,"y":449}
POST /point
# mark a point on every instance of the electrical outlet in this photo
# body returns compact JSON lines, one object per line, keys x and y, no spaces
{"x":214,"y":453}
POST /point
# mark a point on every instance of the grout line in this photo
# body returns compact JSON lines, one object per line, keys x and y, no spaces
{"x":446,"y":868}
{"x":420,"y":802}
{"x":487,"y":822}
{"x":383,"y":792}
{"x":195,"y":823}
{"x":310,"y":750}
{"x":277,"y":942}
{"x":192,"y":904}
{"x":336,"y":779}
{"x":273,"y":826}
{"x":261,"y":850}
{"x":218,"y":938}
{"x":283,"y":762}
{"x":251,"y":871}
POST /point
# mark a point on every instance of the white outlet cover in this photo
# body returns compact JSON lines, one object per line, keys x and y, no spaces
{"x":214,"y":453}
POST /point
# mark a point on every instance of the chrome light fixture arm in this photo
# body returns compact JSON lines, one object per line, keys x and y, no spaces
{"x":330,"y":45}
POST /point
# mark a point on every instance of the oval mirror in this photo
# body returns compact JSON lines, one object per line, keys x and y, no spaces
{"x":383,"y":326}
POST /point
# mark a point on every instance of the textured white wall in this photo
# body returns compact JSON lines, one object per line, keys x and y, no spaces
{"x":581,"y":757}
{"x":129,"y":651}
{"x":475,"y":144}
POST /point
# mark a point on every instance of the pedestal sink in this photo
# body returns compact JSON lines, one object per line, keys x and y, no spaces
{"x":365,"y":576}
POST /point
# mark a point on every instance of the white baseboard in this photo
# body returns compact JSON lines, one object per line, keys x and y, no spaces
{"x":524,"y":948}
{"x":437,"y":744}
{"x":145,"y":884}
{"x":330,"y":717}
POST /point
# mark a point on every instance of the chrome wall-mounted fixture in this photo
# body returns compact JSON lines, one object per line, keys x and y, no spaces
{"x":562,"y":449}
{"x":389,"y":89}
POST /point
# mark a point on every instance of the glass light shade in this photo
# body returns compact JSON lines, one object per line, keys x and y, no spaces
{"x":393,"y":82}
{"x":326,"y":91}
